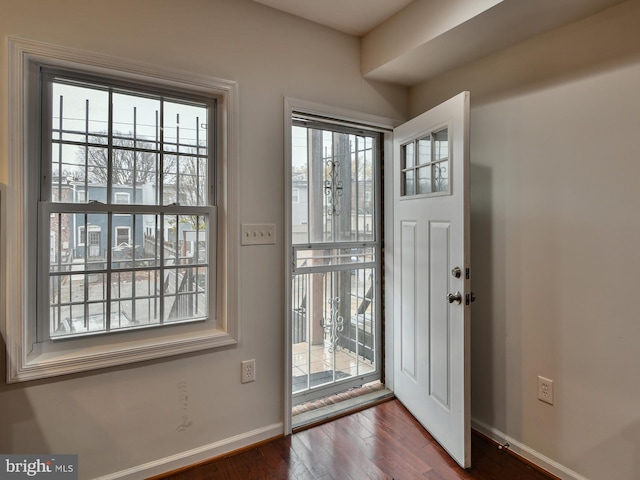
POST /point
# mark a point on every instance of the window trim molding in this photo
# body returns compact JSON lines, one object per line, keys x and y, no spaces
{"x":23,"y":360}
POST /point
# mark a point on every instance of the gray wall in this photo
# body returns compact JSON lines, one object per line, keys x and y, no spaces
{"x":124,"y":417}
{"x":554,"y":125}
{"x":555,"y":167}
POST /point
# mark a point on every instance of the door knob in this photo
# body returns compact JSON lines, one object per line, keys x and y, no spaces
{"x":455,"y":297}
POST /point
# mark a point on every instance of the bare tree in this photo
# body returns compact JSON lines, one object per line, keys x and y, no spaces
{"x":133,"y":162}
{"x":183,"y":176}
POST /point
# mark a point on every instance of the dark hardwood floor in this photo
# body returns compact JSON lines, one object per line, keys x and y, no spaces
{"x":382,"y":442}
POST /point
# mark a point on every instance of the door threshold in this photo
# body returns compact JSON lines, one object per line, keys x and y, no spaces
{"x":326,"y":409}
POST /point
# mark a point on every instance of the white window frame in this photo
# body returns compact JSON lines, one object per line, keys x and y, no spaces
{"x":28,"y":359}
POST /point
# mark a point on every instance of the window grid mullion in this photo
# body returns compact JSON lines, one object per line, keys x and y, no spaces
{"x":135,"y":155}
{"x":432,"y":162}
{"x":109,"y":270}
{"x":60,"y":113}
{"x":198,"y":161}
{"x":161,"y":267}
{"x":132,"y":236}
{"x":86,"y":250}
{"x":86,"y":151}
{"x":357,"y":174}
{"x":161,"y":149}
{"x":157,"y":309}
{"x":177,"y":262}
{"x":59,"y":267}
{"x":109,"y":201}
{"x":162,"y":219}
{"x":177,"y":158}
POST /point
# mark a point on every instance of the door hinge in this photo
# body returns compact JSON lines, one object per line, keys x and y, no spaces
{"x":469,"y":298}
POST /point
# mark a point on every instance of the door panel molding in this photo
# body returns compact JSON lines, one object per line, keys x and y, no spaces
{"x":408,"y":298}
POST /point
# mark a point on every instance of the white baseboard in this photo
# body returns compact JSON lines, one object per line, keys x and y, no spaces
{"x":227,"y":445}
{"x":525,"y":452}
{"x":196,"y":455}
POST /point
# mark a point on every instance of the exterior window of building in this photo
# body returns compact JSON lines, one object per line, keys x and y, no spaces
{"x":113,"y":150}
{"x":82,"y":236}
{"x":123,"y":236}
{"x":121,"y":198}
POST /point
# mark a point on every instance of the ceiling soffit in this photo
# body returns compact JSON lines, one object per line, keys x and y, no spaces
{"x":395,"y":52}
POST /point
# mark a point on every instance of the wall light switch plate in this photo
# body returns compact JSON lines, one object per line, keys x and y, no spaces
{"x":258,"y":234}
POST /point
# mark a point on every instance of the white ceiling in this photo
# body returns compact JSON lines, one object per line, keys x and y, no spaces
{"x":355,"y":17}
{"x":407,"y":42}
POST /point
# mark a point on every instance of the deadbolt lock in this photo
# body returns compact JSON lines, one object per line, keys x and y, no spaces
{"x":456,"y":272}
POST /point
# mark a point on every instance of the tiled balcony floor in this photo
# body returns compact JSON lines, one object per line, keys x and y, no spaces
{"x":319,"y":359}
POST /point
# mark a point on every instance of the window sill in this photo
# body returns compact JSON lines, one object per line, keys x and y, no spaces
{"x":44,"y":362}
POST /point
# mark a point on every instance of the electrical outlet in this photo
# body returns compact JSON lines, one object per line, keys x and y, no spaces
{"x":248,"y":371}
{"x":545,"y":390}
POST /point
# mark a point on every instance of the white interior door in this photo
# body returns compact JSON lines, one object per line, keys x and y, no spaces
{"x":431,"y":273}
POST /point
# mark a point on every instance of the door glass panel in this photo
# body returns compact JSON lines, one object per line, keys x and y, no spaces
{"x":335,"y":318}
{"x":333,"y":178}
{"x":424,"y":150}
{"x":408,"y":154}
{"x":424,"y":180}
{"x":441,"y":177}
{"x":408,"y":183}
{"x":431,"y":173}
{"x":441,"y":141}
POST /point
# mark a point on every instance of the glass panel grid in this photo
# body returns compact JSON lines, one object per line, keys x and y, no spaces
{"x":114,"y":269}
{"x":334,"y":331}
{"x":130,"y":146}
{"x":430,"y":173}
{"x":333,"y":175}
{"x":135,"y":281}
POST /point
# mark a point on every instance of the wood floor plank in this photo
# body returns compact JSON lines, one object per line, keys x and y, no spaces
{"x":384,"y":442}
{"x":344,"y":458}
{"x":318,"y":462}
{"x":351,"y":452}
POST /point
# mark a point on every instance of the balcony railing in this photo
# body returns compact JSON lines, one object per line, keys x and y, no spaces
{"x":333,"y":327}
